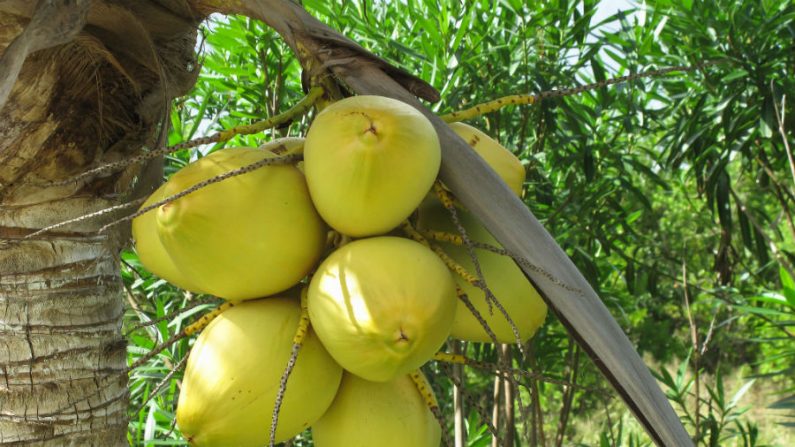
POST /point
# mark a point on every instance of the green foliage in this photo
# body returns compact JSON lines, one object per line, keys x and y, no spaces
{"x":714,"y":419}
{"x":673,"y":195}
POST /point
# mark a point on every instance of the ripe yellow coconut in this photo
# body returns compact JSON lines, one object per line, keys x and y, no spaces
{"x":503,"y":161}
{"x":233,"y":376}
{"x":503,"y":277}
{"x":369,"y":161}
{"x":383,"y":414}
{"x":151,"y":251}
{"x":245,"y":237}
{"x":382,"y":306}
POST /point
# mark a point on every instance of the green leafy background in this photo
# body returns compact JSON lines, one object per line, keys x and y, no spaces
{"x":673,"y":195}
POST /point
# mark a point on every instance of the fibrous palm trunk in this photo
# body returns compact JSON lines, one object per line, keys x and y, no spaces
{"x":62,"y":357}
{"x":98,"y":97}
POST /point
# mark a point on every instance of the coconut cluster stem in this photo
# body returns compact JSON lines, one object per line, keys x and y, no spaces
{"x":426,"y":392}
{"x":479,"y":281}
{"x":456,"y":268}
{"x":163,"y":382}
{"x":451,"y":264}
{"x":298,"y":341}
{"x":191,"y":329}
{"x":488,"y":107}
{"x":457,"y":239}
{"x":205,"y":319}
{"x":497,"y":104}
{"x":299,"y":109}
{"x":462,"y":296}
{"x":84,"y":217}
{"x":167,"y":317}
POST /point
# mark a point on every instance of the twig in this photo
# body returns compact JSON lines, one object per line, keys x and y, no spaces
{"x":780,"y":191}
{"x":710,"y":331}
{"x":145,"y":156}
{"x":784,"y":263}
{"x":780,"y":119}
{"x":696,"y":352}
{"x":495,"y":405}
{"x":163,"y":382}
{"x":157,"y":349}
{"x":568,"y":395}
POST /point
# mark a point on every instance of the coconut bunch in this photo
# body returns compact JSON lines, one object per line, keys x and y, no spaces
{"x":379,"y":305}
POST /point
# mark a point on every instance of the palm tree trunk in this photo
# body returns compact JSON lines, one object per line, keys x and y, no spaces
{"x":63,"y":358}
{"x":100,"y":96}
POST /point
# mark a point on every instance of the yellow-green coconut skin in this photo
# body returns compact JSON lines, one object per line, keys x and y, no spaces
{"x":248,"y":236}
{"x":369,"y":161}
{"x":503,"y":277}
{"x":499,"y":158}
{"x":233,"y":373}
{"x":382,"y":306}
{"x":151,"y":251}
{"x":383,"y":414}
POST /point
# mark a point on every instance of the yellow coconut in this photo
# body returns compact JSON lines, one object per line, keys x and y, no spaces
{"x":369,"y":161}
{"x":233,"y":376}
{"x":150,"y":250}
{"x":504,"y":278}
{"x":503,"y":161}
{"x":245,"y":237}
{"x":382,"y":306}
{"x":383,"y":414}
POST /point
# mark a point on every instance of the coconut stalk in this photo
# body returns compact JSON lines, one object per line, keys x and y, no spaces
{"x":565,"y":290}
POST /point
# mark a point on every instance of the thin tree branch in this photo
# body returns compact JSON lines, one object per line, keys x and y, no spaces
{"x":781,"y":258}
{"x":780,"y":119}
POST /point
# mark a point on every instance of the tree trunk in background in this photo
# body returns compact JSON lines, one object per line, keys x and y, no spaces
{"x":98,"y":98}
{"x":458,"y":404}
{"x":509,"y":393}
{"x":496,"y":411}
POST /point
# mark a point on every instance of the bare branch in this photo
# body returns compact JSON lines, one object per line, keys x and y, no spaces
{"x":780,"y":120}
